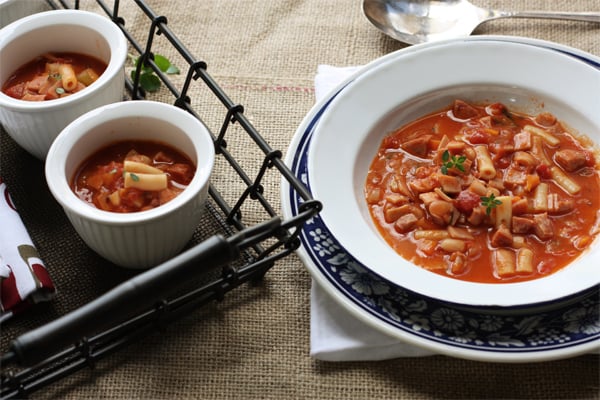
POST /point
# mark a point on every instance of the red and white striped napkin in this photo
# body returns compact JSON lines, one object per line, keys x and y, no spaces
{"x":24,"y":279}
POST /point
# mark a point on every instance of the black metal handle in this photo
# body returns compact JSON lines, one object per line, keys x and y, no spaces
{"x":138,"y":293}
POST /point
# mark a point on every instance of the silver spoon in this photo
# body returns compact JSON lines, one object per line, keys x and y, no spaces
{"x":419,"y":21}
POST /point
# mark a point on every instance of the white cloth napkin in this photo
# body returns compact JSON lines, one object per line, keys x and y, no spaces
{"x":335,"y":334}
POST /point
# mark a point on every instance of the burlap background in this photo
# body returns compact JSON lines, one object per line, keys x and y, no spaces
{"x":255,"y":344}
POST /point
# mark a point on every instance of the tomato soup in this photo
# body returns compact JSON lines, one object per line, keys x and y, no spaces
{"x":483,"y":194}
{"x":131,"y":176}
{"x":53,"y":76}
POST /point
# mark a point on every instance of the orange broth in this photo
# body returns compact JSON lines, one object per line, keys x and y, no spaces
{"x":101,"y":180}
{"x":474,"y":236}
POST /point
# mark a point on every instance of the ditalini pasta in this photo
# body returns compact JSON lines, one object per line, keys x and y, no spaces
{"x":484,"y":194}
{"x":132,"y":176}
{"x":53,"y":75}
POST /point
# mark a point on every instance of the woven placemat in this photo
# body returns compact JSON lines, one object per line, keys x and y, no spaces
{"x":255,"y":343}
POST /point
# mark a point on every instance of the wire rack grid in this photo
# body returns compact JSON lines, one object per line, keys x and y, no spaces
{"x":243,"y":251}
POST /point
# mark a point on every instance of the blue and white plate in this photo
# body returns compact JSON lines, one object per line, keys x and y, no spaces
{"x":410,"y":84}
{"x":566,"y":329}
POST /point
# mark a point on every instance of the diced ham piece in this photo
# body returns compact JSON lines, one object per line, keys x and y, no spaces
{"x":462,"y":110}
{"x":417,"y":146}
{"x":428,"y":197}
{"x":37,"y":83}
{"x":393,"y":213}
{"x":571,"y":160}
{"x":16,"y":91}
{"x":522,"y":225}
{"x":559,"y":206}
{"x":521,"y":206}
{"x":406,"y":223}
{"x":455,"y":147}
{"x":477,"y":216}
{"x":374,"y":195}
{"x":396,"y":199}
{"x":33,"y":97}
{"x":162,"y":157}
{"x":543,"y":227}
{"x":450,"y":184}
{"x":514,"y":177}
{"x":423,"y":185}
{"x":525,"y":160}
{"x":180,"y":172}
{"x":522,"y":141}
{"x":502,"y":237}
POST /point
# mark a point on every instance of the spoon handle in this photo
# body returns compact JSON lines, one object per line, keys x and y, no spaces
{"x":572,"y":16}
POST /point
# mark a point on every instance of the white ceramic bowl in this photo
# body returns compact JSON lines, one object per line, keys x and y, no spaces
{"x":34,"y":125}
{"x":146,"y":238}
{"x":12,"y":10}
{"x":417,"y":82}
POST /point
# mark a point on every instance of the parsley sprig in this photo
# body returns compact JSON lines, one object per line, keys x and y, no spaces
{"x":148,"y":79}
{"x":490,"y":202}
{"x":449,"y":162}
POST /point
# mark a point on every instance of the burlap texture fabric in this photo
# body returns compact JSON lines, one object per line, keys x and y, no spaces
{"x":255,"y":343}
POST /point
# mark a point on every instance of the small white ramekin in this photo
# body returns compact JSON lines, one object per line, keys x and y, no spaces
{"x":146,"y":238}
{"x":34,"y":125}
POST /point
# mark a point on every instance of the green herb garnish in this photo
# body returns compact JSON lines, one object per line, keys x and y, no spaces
{"x":449,"y":162}
{"x":59,"y":90}
{"x":489,"y":203}
{"x":148,"y":79}
{"x":134,"y":177}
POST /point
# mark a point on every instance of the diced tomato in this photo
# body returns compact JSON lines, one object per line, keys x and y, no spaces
{"x":390,"y":142}
{"x":466,"y":201}
{"x":545,"y":119}
{"x":543,"y":171}
{"x":503,"y":162}
{"x":496,"y":109}
{"x":479,"y":137}
{"x":94,"y":181}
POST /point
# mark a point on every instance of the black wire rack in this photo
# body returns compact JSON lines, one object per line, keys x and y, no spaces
{"x":241,"y":253}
